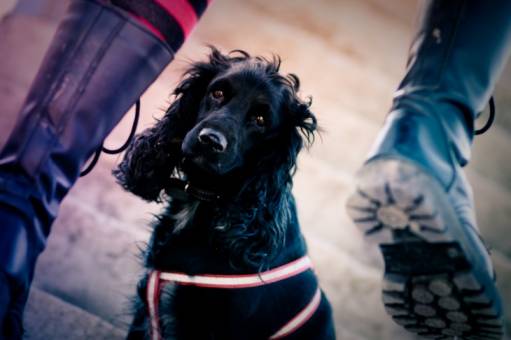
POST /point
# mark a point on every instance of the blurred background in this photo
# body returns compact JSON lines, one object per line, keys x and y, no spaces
{"x":350,"y":56}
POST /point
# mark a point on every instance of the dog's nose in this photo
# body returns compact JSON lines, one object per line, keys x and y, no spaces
{"x":213,"y":139}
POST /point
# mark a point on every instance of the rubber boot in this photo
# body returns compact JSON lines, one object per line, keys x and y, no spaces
{"x":412,"y":197}
{"x":99,"y":63}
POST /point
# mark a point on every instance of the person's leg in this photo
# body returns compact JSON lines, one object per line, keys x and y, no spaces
{"x":412,"y":196}
{"x":100,"y":61}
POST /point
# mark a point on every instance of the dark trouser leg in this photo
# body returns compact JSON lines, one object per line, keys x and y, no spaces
{"x":412,"y":196}
{"x":455,"y":59}
{"x":99,"y":63}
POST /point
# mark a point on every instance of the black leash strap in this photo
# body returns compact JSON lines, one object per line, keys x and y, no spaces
{"x":186,"y":188}
{"x":490,"y":120}
{"x":97,"y":153}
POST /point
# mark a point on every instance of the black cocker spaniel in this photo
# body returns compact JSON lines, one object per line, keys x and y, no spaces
{"x":226,"y":259}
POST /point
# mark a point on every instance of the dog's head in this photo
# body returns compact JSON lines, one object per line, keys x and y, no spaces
{"x":241,"y":110}
{"x":234,"y":119}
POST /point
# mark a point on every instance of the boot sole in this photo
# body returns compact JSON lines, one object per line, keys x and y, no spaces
{"x":436,"y":282}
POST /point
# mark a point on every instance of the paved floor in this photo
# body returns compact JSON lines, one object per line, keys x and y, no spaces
{"x":349,"y":55}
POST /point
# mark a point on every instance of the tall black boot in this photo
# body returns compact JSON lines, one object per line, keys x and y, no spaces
{"x":412,"y":196}
{"x":99,"y":63}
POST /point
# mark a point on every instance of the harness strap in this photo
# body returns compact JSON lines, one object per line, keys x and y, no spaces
{"x":153,"y":298}
{"x":232,"y":282}
{"x":241,"y":281}
{"x":301,"y":318}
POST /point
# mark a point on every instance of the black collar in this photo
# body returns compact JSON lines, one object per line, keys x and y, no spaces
{"x":181,"y":189}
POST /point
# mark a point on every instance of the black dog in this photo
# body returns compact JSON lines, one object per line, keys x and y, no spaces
{"x":227,"y":259}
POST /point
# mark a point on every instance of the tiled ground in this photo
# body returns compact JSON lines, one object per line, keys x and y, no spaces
{"x":349,"y":55}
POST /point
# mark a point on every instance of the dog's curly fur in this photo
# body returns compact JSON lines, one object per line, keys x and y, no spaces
{"x":253,"y":226}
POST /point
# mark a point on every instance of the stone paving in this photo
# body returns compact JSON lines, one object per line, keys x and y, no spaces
{"x":349,"y":56}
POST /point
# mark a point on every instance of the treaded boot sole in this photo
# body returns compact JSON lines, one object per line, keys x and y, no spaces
{"x":436,"y":281}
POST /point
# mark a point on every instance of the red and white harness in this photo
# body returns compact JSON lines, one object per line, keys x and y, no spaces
{"x":157,"y":278}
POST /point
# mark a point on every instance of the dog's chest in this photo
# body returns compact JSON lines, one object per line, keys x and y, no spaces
{"x":212,"y":313}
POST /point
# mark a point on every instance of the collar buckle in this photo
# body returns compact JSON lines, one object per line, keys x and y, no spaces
{"x":181,"y":189}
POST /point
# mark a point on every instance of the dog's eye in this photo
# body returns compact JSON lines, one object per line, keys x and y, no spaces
{"x":259,"y":120}
{"x":218,"y":95}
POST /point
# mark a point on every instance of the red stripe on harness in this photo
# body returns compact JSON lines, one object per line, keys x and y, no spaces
{"x":153,"y":298}
{"x":182,"y":12}
{"x":300,"y":319}
{"x":230,"y":282}
{"x":240,"y":281}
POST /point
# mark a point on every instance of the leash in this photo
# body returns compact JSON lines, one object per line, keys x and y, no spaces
{"x":490,"y":120}
{"x":296,"y":267}
{"x":202,"y":194}
{"x":97,"y":153}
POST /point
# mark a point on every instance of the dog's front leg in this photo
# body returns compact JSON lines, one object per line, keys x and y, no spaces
{"x":140,"y":326}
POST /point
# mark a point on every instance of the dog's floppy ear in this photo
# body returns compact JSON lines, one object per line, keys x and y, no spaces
{"x":151,"y":157}
{"x":299,"y":129}
{"x":154,"y":153}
